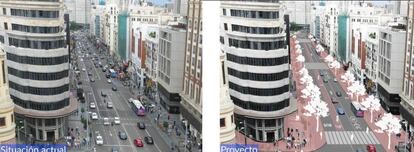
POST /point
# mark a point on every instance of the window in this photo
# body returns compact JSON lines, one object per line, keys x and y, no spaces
{"x":222,"y":40}
{"x":222,"y":122}
{"x":12,"y":118}
{"x":225,"y":26}
{"x":224,"y":12}
{"x":5,"y":26}
{"x":4,"y":71}
{"x":2,"y":122}
{"x":4,"y":11}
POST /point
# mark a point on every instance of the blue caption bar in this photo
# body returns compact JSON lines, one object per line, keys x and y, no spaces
{"x":239,"y":148}
{"x":33,"y":148}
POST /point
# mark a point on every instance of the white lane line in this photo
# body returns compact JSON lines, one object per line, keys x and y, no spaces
{"x":97,"y":107}
{"x":154,"y":142}
{"x":96,"y":72}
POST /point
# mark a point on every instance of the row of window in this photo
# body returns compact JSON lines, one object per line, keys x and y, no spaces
{"x":37,"y":44}
{"x":36,"y":29}
{"x":258,"y":91}
{"x":254,"y":14}
{"x":38,"y":60}
{"x":2,"y":39}
{"x":257,"y":45}
{"x":257,"y":61}
{"x":258,"y":76}
{"x":34,"y":13}
{"x":38,"y":76}
{"x":255,"y":30}
{"x":39,"y":91}
{"x":43,"y":106}
{"x":260,"y":106}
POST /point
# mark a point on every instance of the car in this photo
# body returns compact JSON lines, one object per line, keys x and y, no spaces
{"x":109,"y":104}
{"x":114,"y":88}
{"x":89,"y":74}
{"x":359,"y":150}
{"x":109,"y":81}
{"x":149,"y":140}
{"x":117,"y":121}
{"x":371,"y":148}
{"x":335,"y":80}
{"x":115,"y":149}
{"x":92,"y":79}
{"x":103,"y":94}
{"x":106,"y":121}
{"x":92,"y":105}
{"x":103,"y":70}
{"x":122,"y":135}
{"x":79,"y":82}
{"x":325,"y":80}
{"x":340,"y":111}
{"x":99,"y":140}
{"x":108,"y":75}
{"x":83,"y":69}
{"x":403,"y":147}
{"x":339,"y":94}
{"x":141,"y":125}
{"x":131,"y":99}
{"x":334,"y":100}
{"x":138,"y":142}
{"x":321,"y":73}
{"x":94,"y":116}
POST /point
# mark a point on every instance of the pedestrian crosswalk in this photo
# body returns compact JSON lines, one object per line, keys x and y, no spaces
{"x":350,"y":137}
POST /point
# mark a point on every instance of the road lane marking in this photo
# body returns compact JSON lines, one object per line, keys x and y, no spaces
{"x":154,"y":142}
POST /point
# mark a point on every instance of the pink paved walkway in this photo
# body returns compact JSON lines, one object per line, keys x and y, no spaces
{"x":382,"y":137}
{"x":305,"y":124}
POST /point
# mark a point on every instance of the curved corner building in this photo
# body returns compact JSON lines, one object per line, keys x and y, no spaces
{"x":227,"y":126}
{"x":38,"y":65}
{"x":254,"y":40}
{"x":7,"y":121}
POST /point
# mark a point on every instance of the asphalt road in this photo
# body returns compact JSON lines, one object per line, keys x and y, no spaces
{"x":121,"y":108}
{"x":332,"y":87}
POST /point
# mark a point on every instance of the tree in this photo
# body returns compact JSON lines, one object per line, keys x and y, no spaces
{"x":336,"y":65}
{"x":360,"y":89}
{"x":389,"y":124}
{"x":372,"y":104}
{"x":299,"y":51}
{"x":294,"y":36}
{"x":297,"y":46}
{"x":317,"y":108}
{"x":296,"y":42}
{"x":348,"y":77}
{"x":319,"y":48}
{"x":300,"y":59}
{"x":303,"y":71}
{"x":329,"y":59}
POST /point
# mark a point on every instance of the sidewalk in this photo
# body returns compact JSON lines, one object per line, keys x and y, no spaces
{"x":306,"y":126}
{"x":382,"y":137}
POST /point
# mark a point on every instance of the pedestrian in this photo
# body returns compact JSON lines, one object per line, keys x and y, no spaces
{"x":304,"y":142}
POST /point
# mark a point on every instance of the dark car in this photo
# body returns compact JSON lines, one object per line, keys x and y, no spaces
{"x":340,"y":111}
{"x":149,"y":140}
{"x":103,"y":70}
{"x":90,"y":74}
{"x":325,"y":80}
{"x":114,"y":88}
{"x":79,"y":82}
{"x":108,"y":75}
{"x":115,"y":149}
{"x":92,"y":80}
{"x":103,"y":94}
{"x":339,"y":94}
{"x":141,"y":125}
{"x":403,"y":147}
{"x":122,"y":135}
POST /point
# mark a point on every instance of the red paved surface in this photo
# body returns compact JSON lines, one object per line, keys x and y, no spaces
{"x":382,"y":137}
{"x":304,"y":124}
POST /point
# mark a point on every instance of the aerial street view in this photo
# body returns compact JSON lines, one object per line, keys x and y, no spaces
{"x":100,"y":75}
{"x":326,"y":76}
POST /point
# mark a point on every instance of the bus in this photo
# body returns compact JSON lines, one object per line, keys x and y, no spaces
{"x":138,"y":108}
{"x":113,"y":73}
{"x":357,"y":109}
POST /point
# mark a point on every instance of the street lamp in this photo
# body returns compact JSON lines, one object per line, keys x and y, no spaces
{"x":245,"y":130}
{"x":19,"y":127}
{"x":405,"y":122}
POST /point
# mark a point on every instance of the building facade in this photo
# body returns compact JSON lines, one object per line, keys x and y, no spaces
{"x":407,"y":94}
{"x":170,"y":72}
{"x":79,"y":10}
{"x":253,"y":38}
{"x":390,"y":72}
{"x":227,"y":124}
{"x":38,"y":66}
{"x":7,"y":119}
{"x":191,"y":101}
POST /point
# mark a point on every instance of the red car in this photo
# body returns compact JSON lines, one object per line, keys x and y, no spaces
{"x":138,"y":142}
{"x":371,"y":148}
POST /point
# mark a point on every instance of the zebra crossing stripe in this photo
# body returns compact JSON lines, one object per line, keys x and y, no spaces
{"x":375,"y":139}
{"x":328,"y":137}
{"x":361,"y":137}
{"x":344,"y":138}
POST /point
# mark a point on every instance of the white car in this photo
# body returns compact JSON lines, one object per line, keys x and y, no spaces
{"x":99,"y":140}
{"x":106,"y":121}
{"x":109,"y":81}
{"x":130,"y":99}
{"x":94,"y":116}
{"x":117,"y":121}
{"x":93,"y":106}
{"x":83,"y":69}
